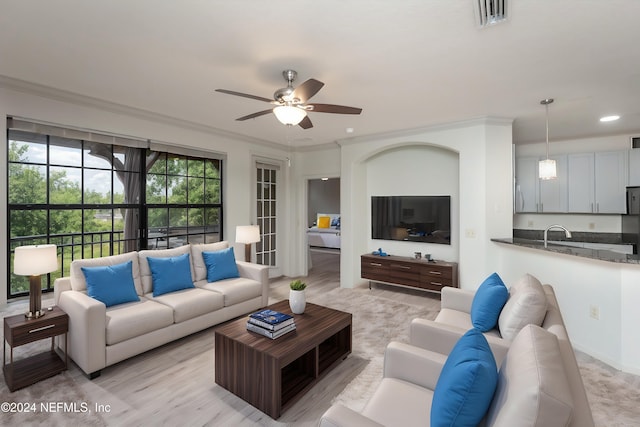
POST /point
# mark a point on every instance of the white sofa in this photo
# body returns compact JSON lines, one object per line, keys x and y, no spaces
{"x":454,"y":319}
{"x":100,"y":336}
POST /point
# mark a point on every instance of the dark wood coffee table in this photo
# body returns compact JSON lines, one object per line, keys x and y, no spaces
{"x":273,"y":374}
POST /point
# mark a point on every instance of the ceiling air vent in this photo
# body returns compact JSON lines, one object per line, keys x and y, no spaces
{"x":635,"y":142}
{"x":491,"y":12}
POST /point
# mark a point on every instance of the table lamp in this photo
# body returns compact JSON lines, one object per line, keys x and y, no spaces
{"x":34,"y":261}
{"x":247,"y":234}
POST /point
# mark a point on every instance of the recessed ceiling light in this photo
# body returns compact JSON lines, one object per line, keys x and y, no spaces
{"x":324,"y":179}
{"x":349,"y":130}
{"x":609,"y":118}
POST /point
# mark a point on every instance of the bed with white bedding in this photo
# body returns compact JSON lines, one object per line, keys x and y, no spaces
{"x":326,"y":232}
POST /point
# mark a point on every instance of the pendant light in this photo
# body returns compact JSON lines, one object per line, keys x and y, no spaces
{"x":547,"y":167}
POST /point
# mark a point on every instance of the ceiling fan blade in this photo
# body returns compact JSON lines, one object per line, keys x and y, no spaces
{"x":307,"y":89}
{"x":254,"y":115}
{"x":245,"y":95}
{"x":306,"y":123}
{"x":330,"y":108}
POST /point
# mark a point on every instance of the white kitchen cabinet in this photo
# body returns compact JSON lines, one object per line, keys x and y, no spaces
{"x":634,"y":167}
{"x":597,"y":182}
{"x":526,"y":194}
{"x":553,"y":192}
{"x":535,"y":195}
{"x":610,"y":182}
{"x":581,"y":182}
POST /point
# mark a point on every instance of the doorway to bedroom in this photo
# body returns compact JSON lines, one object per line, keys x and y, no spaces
{"x":323,"y":224}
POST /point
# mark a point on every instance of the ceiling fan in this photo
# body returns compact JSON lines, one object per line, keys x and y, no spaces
{"x":291,"y":105}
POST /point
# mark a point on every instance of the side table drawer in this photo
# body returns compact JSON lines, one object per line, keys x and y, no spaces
{"x":45,"y":328}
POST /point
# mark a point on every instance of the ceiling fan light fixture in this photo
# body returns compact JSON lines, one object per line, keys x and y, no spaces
{"x":289,"y":115}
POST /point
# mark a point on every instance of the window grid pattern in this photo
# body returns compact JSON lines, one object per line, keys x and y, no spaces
{"x":89,"y":200}
{"x":266,"y":253}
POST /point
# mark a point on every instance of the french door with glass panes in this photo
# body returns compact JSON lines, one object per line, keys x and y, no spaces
{"x":266,"y":215}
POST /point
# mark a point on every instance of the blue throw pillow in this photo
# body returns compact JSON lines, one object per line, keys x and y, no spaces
{"x":487,"y":303}
{"x":111,"y":284}
{"x":170,"y":274}
{"x":466,"y":384}
{"x":220,"y":265}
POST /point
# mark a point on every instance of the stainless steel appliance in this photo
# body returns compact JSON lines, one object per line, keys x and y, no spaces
{"x":631,"y":221}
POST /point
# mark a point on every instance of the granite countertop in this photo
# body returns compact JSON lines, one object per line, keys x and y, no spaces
{"x":600,"y":254}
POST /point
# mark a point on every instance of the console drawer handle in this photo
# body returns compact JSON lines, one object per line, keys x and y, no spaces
{"x":402,"y":266}
{"x":436,"y":283}
{"x":41,"y":329}
{"x":436,"y":272}
{"x":375,"y":264}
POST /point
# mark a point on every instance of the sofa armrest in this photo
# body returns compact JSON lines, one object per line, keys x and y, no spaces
{"x":87,"y":330}
{"x":456,"y":299}
{"x":60,"y":285}
{"x":413,"y":364}
{"x":257,"y":272}
{"x":441,"y":338}
{"x":339,"y":415}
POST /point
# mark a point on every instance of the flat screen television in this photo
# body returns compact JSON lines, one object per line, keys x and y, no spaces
{"x":411,"y":218}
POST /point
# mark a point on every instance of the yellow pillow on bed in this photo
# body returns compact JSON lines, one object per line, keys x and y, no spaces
{"x":324,"y":221}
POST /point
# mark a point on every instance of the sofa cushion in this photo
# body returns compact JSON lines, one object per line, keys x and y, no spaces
{"x":466,"y":383}
{"x":111,"y":284}
{"x":189,"y":303}
{"x":79,"y":282}
{"x":533,"y":389}
{"x":170,"y":274}
{"x":527,"y":304}
{"x":488,"y":302}
{"x":126,"y":321}
{"x":199,"y":267}
{"x":409,"y":401}
{"x":220,"y":265}
{"x":146,"y":278}
{"x":234,"y":290}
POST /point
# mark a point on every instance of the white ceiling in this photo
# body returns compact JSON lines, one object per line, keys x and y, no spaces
{"x":407,"y":64}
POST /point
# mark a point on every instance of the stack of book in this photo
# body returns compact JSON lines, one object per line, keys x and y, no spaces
{"x":272,"y":324}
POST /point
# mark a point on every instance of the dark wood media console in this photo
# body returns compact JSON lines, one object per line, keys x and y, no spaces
{"x":411,"y":272}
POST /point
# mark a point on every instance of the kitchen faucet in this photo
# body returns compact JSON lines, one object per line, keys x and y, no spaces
{"x":567,"y":233}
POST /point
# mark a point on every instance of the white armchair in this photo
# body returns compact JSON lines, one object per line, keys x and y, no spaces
{"x":532,"y":388}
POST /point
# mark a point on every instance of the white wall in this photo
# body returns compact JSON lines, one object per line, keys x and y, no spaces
{"x":485,"y":192}
{"x":55,"y":108}
{"x":414,"y":170}
{"x":581,"y":283}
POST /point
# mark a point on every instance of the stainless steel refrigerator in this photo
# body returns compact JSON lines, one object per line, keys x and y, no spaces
{"x":631,"y":220}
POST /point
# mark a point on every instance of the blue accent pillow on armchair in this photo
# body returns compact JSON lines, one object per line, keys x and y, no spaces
{"x":170,"y":274}
{"x":466,"y":383}
{"x":488,"y":302}
{"x":220,"y":265}
{"x":111,"y":284}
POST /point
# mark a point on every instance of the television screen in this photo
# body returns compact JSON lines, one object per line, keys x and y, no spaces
{"x":411,"y":218}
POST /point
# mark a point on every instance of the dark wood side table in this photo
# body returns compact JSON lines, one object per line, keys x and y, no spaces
{"x":18,"y":330}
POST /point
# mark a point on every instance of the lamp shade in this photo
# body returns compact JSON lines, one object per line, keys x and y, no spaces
{"x":288,"y":115}
{"x":247,"y":234}
{"x":35,"y":260}
{"x":547,"y":169}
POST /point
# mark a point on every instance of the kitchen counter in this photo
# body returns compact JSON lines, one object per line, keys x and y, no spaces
{"x":599,"y":254}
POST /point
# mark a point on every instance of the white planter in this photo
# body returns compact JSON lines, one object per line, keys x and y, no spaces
{"x":297,"y":301}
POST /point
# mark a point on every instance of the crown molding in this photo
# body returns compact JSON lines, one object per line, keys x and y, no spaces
{"x":88,"y":101}
{"x":478,"y":121}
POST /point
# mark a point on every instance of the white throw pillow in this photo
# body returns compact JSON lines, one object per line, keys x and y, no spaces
{"x":527,"y":304}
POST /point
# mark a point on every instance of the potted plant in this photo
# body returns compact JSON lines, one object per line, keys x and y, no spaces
{"x":297,"y":298}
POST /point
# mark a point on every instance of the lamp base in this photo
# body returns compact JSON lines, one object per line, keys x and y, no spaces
{"x":35,"y":293}
{"x":34,"y":315}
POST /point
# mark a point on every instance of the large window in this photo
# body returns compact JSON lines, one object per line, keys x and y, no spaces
{"x":94,"y":199}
